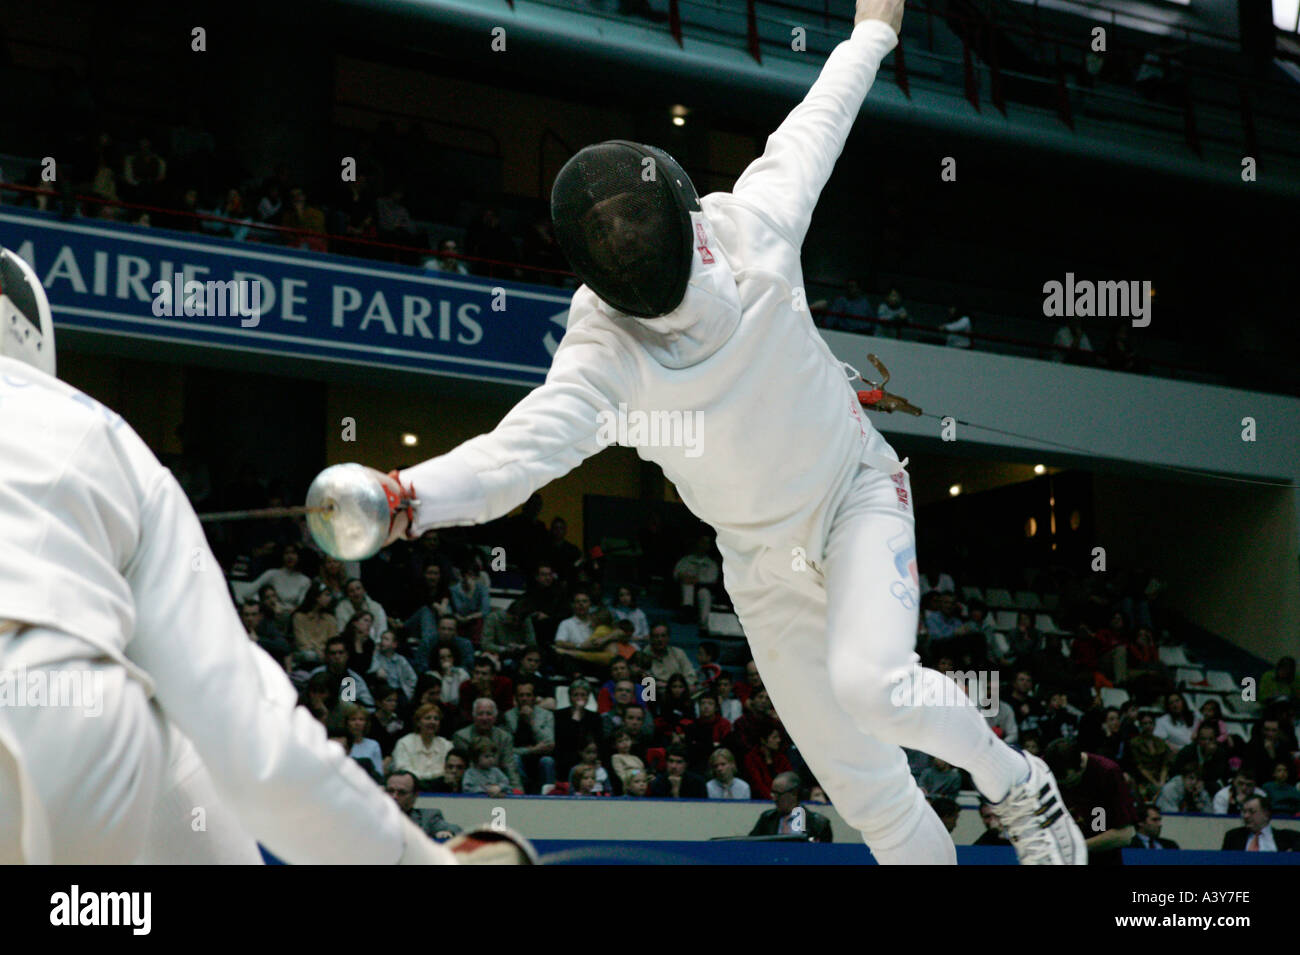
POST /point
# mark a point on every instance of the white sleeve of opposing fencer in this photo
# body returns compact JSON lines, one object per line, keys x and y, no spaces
{"x":292,"y":789}
{"x":786,"y":181}
{"x":419,"y":849}
{"x":548,"y":434}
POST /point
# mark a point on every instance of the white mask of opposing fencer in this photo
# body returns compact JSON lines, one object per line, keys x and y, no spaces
{"x":26,"y":326}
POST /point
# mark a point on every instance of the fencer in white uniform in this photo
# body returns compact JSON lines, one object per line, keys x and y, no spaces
{"x":812,"y":508}
{"x":107,"y":586}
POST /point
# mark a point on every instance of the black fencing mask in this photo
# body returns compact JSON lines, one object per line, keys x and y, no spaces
{"x":622,"y":214}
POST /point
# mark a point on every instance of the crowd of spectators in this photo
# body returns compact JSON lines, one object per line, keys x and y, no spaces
{"x":372,"y":214}
{"x":176,"y":178}
{"x":571,"y":688}
{"x":854,"y":311}
{"x":1154,"y":751}
{"x":588,"y":685}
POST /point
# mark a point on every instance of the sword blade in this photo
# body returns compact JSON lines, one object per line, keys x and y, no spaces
{"x":264,"y":513}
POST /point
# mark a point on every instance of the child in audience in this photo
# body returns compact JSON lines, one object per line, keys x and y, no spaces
{"x":625,"y":762}
{"x":582,"y":781}
{"x":589,"y":758}
{"x":729,"y":708}
{"x":485,"y":776}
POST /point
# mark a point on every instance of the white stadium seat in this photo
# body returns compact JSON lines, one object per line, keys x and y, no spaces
{"x":725,"y":625}
{"x":1113,"y":696}
{"x":1174,"y":657}
{"x":1222,"y":680}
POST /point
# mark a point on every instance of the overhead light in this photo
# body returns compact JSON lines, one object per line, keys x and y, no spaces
{"x":410,"y":440}
{"x":679,"y":113}
{"x":1039,"y":469}
{"x":954,"y":490}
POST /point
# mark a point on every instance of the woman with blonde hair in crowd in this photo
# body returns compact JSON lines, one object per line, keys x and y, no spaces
{"x":723,"y":782}
{"x":356,"y":727}
{"x":423,"y":752}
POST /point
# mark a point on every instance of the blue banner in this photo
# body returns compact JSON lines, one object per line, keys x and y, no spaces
{"x":105,"y":277}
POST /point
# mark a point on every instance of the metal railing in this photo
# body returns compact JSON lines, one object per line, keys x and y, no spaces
{"x":400,"y":253}
{"x":979,"y":26}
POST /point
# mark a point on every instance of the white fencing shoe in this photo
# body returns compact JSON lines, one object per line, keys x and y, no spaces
{"x":1037,"y":821}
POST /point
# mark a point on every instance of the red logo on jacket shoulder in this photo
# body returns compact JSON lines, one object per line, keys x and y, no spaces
{"x":702,"y":243}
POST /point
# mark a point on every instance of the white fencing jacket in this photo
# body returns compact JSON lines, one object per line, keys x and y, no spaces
{"x":98,"y":541}
{"x":780,"y":430}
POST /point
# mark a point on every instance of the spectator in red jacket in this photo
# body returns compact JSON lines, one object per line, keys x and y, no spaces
{"x":765,"y":763}
{"x":752,"y":682}
{"x":748,"y":731}
{"x":705,"y":734}
{"x":1089,"y":783}
{"x":484,"y":681}
{"x":619,"y":671}
{"x":1139,"y":667}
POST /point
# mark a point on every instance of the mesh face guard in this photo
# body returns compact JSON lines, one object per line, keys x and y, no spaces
{"x":622,"y":214}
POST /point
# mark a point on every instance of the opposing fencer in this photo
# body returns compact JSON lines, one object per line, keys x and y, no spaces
{"x":693,"y":306}
{"x":119,"y":645}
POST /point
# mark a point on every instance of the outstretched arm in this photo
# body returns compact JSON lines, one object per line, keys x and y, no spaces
{"x":553,"y":430}
{"x":786,"y":181}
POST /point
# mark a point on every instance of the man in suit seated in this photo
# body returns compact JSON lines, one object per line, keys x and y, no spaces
{"x":790,"y":818}
{"x":1148,"y":831}
{"x":402,"y":786}
{"x":1258,"y":834}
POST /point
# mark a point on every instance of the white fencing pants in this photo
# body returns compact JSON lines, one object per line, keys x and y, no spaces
{"x":190,"y":824}
{"x":77,"y":786}
{"x":109,"y":781}
{"x":832,"y":643}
